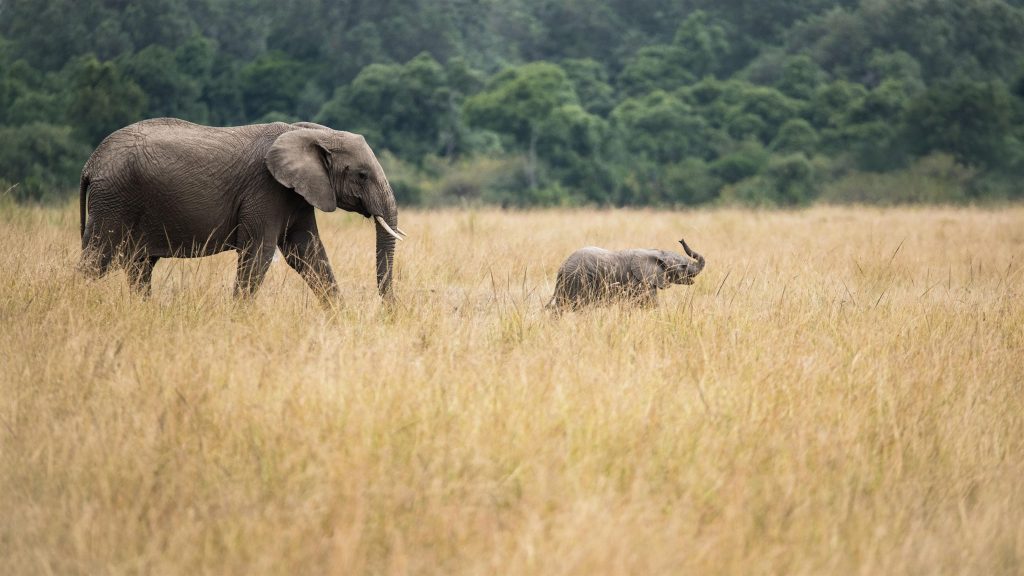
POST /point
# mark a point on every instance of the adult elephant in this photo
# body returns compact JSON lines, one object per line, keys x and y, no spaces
{"x":168,"y":188}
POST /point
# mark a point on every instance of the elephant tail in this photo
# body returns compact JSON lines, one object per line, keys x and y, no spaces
{"x":83,"y":192}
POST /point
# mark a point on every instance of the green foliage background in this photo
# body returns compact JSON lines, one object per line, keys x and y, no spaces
{"x":531,"y":102}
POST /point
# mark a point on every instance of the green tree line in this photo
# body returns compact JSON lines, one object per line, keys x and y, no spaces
{"x":532,"y":102}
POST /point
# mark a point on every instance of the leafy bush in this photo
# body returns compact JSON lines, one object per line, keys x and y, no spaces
{"x":101,"y":99}
{"x":747,"y":160}
{"x":437,"y":182}
{"x":42,"y":159}
{"x":599,"y":102}
{"x":691,"y":182}
{"x":785,"y":181}
{"x":796,"y":135}
{"x":933,"y":179}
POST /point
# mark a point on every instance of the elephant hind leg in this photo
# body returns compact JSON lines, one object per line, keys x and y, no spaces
{"x":96,"y":257}
{"x":94,"y":264}
{"x":558,"y":299}
{"x":104,"y":246}
{"x":253,"y":263}
{"x":140,"y":274}
{"x":570,"y":293}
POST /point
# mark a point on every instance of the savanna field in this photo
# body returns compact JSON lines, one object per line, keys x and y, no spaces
{"x":841,"y":392}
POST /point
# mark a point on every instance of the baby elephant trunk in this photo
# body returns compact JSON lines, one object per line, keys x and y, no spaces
{"x":695,"y":268}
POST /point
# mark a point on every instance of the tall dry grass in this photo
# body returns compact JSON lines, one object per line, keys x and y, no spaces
{"x":842,"y":392}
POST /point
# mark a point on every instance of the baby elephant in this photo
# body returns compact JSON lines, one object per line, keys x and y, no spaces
{"x":594,"y":275}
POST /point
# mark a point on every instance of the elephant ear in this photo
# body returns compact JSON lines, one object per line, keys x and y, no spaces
{"x":651,"y":269}
{"x":296,"y":161}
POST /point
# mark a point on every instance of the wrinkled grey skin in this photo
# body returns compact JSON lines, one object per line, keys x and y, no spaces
{"x":166,"y":188}
{"x":595,"y":275}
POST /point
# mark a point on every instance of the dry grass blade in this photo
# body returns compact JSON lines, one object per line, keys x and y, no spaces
{"x":775,"y":424}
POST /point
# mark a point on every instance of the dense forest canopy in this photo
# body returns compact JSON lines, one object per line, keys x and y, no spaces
{"x":535,"y":102}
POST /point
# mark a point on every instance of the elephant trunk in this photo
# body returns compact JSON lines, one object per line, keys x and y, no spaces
{"x":696,"y":267}
{"x":388,"y":212}
{"x":385,"y":260}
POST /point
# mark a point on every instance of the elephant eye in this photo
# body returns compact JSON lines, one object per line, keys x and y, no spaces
{"x":363,"y":175}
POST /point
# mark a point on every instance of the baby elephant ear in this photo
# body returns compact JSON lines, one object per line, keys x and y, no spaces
{"x":651,"y":270}
{"x":296,"y":161}
{"x":665,"y":262}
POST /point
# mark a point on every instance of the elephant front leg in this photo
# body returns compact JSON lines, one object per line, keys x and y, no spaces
{"x":648,"y":298}
{"x":253,"y":263}
{"x":306,"y":255}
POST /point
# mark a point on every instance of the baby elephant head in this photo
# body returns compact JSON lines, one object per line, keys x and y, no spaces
{"x":675,"y":268}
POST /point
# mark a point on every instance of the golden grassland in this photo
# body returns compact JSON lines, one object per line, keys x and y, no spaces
{"x":841,"y":392}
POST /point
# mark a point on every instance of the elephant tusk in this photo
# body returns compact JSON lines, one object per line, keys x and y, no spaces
{"x":400,"y":231}
{"x":388,"y":228}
